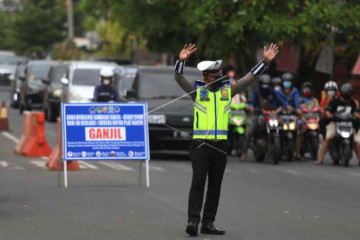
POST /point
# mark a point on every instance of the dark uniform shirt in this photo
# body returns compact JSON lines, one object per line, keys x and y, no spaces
{"x":336,"y":105}
{"x":106,"y":94}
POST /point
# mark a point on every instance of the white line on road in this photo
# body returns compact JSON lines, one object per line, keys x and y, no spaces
{"x":45,"y":158}
{"x":10,"y":136}
{"x":39,"y":163}
{"x":84,"y":165}
{"x":353,"y":174}
{"x":154,"y":168}
{"x":116,"y":166}
{"x":4,"y":164}
{"x":18,"y":168}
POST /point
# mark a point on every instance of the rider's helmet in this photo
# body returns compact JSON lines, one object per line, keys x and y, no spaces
{"x":306,"y":89}
{"x":331,"y":88}
{"x":264,"y":81}
{"x":287,"y":80}
{"x":106,"y":76}
{"x":346,"y":90}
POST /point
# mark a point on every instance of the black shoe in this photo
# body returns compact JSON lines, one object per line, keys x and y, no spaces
{"x":209,"y":228}
{"x":192,"y":228}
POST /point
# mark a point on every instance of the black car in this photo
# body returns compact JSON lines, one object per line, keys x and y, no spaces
{"x":53,"y":91}
{"x":32,"y":87}
{"x":170,"y":124}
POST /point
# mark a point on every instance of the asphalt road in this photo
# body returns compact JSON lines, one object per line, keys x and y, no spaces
{"x":103,"y":201}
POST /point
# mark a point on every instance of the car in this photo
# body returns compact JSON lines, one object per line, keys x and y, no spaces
{"x":16,"y":84}
{"x":127,"y":79}
{"x":8,"y":64}
{"x":32,"y":87}
{"x":81,"y":79}
{"x":53,"y":91}
{"x":170,"y":123}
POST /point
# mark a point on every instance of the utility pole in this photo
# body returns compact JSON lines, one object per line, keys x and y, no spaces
{"x":70,"y":21}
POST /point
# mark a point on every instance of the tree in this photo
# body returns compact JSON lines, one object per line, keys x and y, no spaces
{"x":38,"y":26}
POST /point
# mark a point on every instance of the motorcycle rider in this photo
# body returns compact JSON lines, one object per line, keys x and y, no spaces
{"x":343,"y":103}
{"x":106,"y":92}
{"x":276,"y":83}
{"x":289,"y":95}
{"x":331,"y":91}
{"x":263,"y":97}
{"x":307,"y":100}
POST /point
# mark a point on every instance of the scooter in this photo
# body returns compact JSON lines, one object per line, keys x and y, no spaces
{"x":310,"y":130}
{"x":237,"y":123}
{"x":266,"y":141}
{"x":288,"y":123}
{"x":341,"y":146}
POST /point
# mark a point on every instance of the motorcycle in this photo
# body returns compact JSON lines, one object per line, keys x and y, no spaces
{"x":237,"y":123}
{"x":266,"y":141}
{"x":310,"y":130}
{"x":341,"y":146}
{"x":288,"y":123}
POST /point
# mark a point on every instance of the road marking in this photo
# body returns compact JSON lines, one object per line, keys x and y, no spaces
{"x":116,"y":166}
{"x":45,"y":158}
{"x":18,"y":168}
{"x":253,"y":170}
{"x":353,"y":174}
{"x":227,"y":171}
{"x":4,"y":164}
{"x":84,"y":164}
{"x":154,"y":168}
{"x":39,"y":163}
{"x":11,"y":137}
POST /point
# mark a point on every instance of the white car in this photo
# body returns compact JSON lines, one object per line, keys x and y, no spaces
{"x":81,"y":79}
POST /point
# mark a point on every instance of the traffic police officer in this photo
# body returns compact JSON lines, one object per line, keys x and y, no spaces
{"x":106,"y":92}
{"x":208,"y":150}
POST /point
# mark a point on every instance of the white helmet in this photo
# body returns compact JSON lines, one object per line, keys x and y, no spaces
{"x":106,"y":72}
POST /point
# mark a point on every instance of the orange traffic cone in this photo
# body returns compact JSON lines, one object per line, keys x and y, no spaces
{"x":4,"y":124}
{"x":53,"y":161}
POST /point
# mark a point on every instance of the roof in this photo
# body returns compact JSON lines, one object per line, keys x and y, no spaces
{"x":91,"y":65}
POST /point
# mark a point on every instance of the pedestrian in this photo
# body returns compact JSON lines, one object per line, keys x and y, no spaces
{"x":208,"y":149}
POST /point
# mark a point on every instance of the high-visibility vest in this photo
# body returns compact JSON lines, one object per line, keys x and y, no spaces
{"x":211,"y":112}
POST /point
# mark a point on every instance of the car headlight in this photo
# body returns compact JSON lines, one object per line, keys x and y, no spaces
{"x":157,"y":119}
{"x":292,"y":126}
{"x":285,"y":127}
{"x":273,"y":123}
{"x":58,"y":93}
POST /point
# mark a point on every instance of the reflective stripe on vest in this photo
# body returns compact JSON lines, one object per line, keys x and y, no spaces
{"x":211,"y":112}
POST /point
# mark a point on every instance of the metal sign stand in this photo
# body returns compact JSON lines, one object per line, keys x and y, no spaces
{"x":60,"y":152}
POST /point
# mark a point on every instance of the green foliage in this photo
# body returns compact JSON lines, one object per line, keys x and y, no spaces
{"x":38,"y":26}
{"x":234,"y":27}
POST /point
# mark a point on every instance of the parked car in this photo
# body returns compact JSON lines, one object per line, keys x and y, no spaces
{"x":16,"y":84}
{"x":53,"y":91}
{"x":81,"y":79}
{"x":170,"y":126}
{"x":32,"y":87}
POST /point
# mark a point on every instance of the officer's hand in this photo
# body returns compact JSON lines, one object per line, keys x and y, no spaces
{"x":270,"y":54}
{"x":187,"y":51}
{"x":298,"y":111}
{"x":289,"y":108}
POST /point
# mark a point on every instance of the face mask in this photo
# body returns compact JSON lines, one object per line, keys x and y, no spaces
{"x":331,"y":92}
{"x":287,"y":84}
{"x":307,"y":92}
{"x":277,"y":88}
{"x":106,"y":82}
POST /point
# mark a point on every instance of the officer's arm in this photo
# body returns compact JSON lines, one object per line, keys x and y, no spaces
{"x":187,"y":85}
{"x":269,"y":55}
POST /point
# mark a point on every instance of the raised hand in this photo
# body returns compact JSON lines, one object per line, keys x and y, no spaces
{"x":187,"y":51}
{"x":270,"y":54}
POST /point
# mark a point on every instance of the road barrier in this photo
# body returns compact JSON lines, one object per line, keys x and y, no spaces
{"x":26,"y":132}
{"x":36,"y":144}
{"x":53,"y":161}
{"x":4,"y":124}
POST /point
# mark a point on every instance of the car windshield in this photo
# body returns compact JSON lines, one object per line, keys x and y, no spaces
{"x":159,"y":83}
{"x":40,"y":71}
{"x":58,"y":73}
{"x":10,"y":60}
{"x":87,"y":77}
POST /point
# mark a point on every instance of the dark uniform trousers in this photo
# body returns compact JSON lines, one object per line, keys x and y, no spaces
{"x":207,"y":162}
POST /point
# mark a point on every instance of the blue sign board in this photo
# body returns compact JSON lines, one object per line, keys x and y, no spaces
{"x":105,"y":131}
